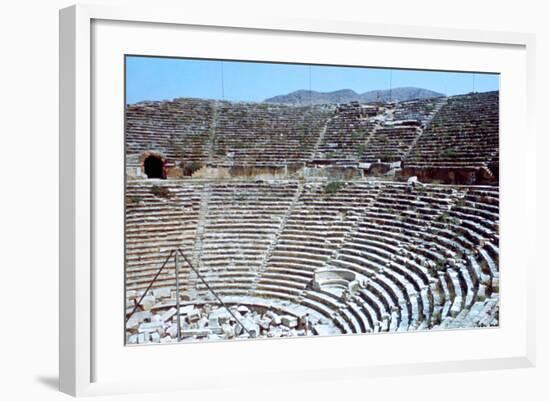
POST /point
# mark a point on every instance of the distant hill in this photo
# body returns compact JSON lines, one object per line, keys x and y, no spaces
{"x":347,"y":95}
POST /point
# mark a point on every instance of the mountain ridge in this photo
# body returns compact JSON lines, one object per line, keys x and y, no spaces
{"x":304,"y":96}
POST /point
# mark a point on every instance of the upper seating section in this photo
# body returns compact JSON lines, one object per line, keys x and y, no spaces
{"x":420,"y":110}
{"x":224,"y":133}
{"x":452,"y":139}
{"x":266,"y":134}
{"x":345,"y":137}
{"x":464,"y":133}
{"x":390,"y":144}
{"x":178,"y":129}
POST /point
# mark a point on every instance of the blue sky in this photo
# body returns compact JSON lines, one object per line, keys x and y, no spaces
{"x":156,"y":78}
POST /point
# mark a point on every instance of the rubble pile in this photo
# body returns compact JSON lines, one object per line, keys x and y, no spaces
{"x":158,"y":324}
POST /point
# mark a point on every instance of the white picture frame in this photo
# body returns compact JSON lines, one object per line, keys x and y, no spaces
{"x":81,"y":346}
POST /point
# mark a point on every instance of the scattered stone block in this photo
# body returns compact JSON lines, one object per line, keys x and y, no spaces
{"x":168,"y":314}
{"x":198,"y":333}
{"x":141,"y":316}
{"x":163,"y":292}
{"x":194,"y":316}
{"x":172,"y":331}
{"x":203,"y":322}
{"x":132,"y":324}
{"x":243,"y":309}
{"x":149,"y":327}
{"x":228,"y":330}
{"x":155,"y":337}
{"x":265,"y":323}
{"x":148,"y":302}
{"x":185,"y":310}
{"x":221,"y":314}
{"x":289,"y":321}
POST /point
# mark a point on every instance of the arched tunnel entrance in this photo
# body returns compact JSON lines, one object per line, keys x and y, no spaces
{"x":153,"y":167}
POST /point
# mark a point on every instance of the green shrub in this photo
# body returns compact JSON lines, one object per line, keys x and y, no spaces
{"x":361,"y":150}
{"x":449,"y":152}
{"x":161,"y":192}
{"x":333,"y":187}
{"x":188,"y":168}
{"x":134,"y":199}
{"x":443,"y":217}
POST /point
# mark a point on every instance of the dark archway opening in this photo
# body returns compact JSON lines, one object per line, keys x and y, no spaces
{"x":154,"y":167}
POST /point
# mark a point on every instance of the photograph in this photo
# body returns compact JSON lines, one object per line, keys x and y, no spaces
{"x":275,"y":200}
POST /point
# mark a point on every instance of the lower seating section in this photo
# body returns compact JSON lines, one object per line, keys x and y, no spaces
{"x":316,"y":228}
{"x":159,"y":217}
{"x":429,"y":256}
{"x":423,"y":263}
{"x":240,"y":221}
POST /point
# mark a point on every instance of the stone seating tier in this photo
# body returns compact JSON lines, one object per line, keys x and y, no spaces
{"x":454,"y":139}
{"x":428,"y":256}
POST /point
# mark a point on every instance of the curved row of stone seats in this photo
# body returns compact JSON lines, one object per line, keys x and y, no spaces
{"x":464,"y":133}
{"x":317,"y":225}
{"x":390,"y":144}
{"x":455,"y":257}
{"x":315,"y":228}
{"x":240,"y":222}
{"x":178,"y":129}
{"x":401,"y":295}
{"x":266,"y":134}
{"x":484,"y":313}
{"x":159,"y":215}
{"x":404,"y":292}
{"x":390,"y":285}
{"x":400,"y":282}
{"x":344,"y":138}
